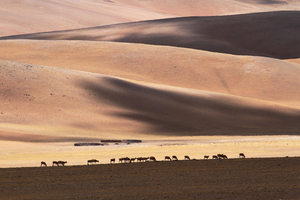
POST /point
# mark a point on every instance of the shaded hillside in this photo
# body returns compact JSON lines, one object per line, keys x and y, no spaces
{"x":260,"y":78}
{"x":188,"y":112}
{"x":47,"y":96}
{"x":271,"y":34}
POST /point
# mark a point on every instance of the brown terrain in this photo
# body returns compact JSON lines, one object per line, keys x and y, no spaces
{"x":185,"y":77}
{"x":254,"y":178}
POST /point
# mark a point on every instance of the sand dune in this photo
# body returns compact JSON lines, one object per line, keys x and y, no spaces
{"x":29,"y":16}
{"x":245,"y":76}
{"x":272,"y":34}
{"x":47,"y":96}
{"x":185,"y":112}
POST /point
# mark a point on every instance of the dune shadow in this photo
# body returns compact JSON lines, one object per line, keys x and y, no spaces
{"x":171,"y":112}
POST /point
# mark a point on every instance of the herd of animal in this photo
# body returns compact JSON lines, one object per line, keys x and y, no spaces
{"x":141,"y":159}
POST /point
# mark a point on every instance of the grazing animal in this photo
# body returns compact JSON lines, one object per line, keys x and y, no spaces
{"x":54,"y":163}
{"x":187,"y":158}
{"x":121,"y":160}
{"x":206,"y":157}
{"x":43,"y":164}
{"x":126,"y":160}
{"x":93,"y":161}
{"x":168,"y":158}
{"x":222,"y":156}
{"x":132,"y":160}
{"x":152,"y":158}
{"x":174,"y":158}
{"x":214,"y":157}
{"x":242,"y":155}
{"x":145,"y":159}
{"x":62,"y":163}
{"x":113,"y":160}
{"x":140,"y":159}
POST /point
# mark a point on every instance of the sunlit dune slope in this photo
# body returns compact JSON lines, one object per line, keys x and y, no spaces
{"x":272,"y":34}
{"x":47,"y":96}
{"x":253,"y":77}
{"x":28,"y":16}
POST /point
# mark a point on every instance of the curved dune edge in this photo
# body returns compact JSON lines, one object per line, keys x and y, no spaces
{"x":50,"y":96}
{"x":247,"y":34}
{"x":246,"y":76}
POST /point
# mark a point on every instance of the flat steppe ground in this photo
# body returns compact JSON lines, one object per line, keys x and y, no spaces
{"x":250,"y":178}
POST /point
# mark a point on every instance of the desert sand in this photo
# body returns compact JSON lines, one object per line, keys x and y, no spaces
{"x":196,"y":78}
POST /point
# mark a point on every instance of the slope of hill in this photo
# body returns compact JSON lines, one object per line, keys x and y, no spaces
{"x":272,"y":34}
{"x":29,"y":16}
{"x":260,"y":78}
{"x":46,"y":96}
{"x":211,"y":82}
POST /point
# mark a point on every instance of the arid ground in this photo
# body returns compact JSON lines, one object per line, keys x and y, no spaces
{"x":185,"y":77}
{"x":250,"y":178}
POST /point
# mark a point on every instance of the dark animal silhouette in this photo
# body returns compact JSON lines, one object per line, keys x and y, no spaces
{"x":152,"y":158}
{"x":174,"y":158}
{"x":168,"y":158}
{"x":62,"y":163}
{"x":93,"y":161}
{"x":187,"y":158}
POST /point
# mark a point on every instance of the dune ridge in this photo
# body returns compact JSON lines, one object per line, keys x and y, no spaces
{"x":247,"y":34}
